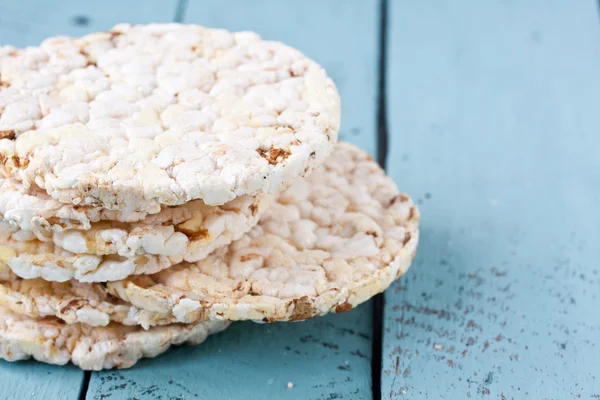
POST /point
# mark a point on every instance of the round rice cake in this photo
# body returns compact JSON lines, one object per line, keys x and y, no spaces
{"x":34,"y":210}
{"x":328,"y":243}
{"x":53,"y":341}
{"x":112,"y":250}
{"x":162,"y":114}
{"x":72,"y":302}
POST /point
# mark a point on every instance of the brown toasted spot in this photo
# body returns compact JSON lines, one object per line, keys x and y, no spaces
{"x":253,"y":292}
{"x":402,"y":198}
{"x":295,"y":143}
{"x":254,"y":208}
{"x":274,"y":156}
{"x":88,"y":59}
{"x":56,"y":221}
{"x":372,"y":233}
{"x":73,"y":304}
{"x":248,"y":257}
{"x":13,"y":53}
{"x":20,"y":162}
{"x":303,"y":309}
{"x":407,"y":237}
{"x":411,"y":213}
{"x":141,"y":261}
{"x":344,"y":307}
{"x":10,"y":135}
{"x":193,"y":235}
{"x":369,"y":158}
{"x":12,"y":161}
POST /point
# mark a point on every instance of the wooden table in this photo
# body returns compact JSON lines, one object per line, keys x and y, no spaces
{"x":488,"y":113}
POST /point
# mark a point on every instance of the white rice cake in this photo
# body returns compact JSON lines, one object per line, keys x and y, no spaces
{"x":162,"y":114}
{"x":53,"y":341}
{"x":112,"y":250}
{"x":329,"y":243}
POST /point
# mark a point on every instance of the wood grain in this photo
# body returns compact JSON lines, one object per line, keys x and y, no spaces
{"x":493,"y":122}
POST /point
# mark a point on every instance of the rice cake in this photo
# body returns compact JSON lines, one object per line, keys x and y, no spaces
{"x":328,"y":243}
{"x":93,"y":348}
{"x":112,"y":250}
{"x":162,"y":114}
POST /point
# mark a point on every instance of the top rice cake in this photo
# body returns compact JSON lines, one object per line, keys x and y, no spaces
{"x":162,"y":114}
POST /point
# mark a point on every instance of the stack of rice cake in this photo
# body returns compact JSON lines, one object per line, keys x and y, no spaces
{"x":161,"y":181}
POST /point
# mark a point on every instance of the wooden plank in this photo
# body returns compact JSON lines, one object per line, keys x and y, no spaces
{"x":493,"y":112}
{"x":25,"y":23}
{"x":28,"y":22}
{"x":33,"y":380}
{"x":325,"y":358}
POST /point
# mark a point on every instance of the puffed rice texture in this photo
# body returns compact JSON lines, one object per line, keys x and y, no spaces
{"x":329,"y":243}
{"x":52,"y":341}
{"x":162,"y":114}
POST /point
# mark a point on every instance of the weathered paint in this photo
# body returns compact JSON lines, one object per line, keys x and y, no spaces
{"x":33,"y":380}
{"x":494,"y":122}
{"x":323,"y":358}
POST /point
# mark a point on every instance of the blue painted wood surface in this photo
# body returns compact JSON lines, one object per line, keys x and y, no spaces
{"x":325,"y":358}
{"x":28,"y":22}
{"x":37,"y":381}
{"x":494,"y":124}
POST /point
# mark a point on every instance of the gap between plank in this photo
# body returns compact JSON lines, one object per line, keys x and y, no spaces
{"x":87,"y":375}
{"x":180,"y":10}
{"x":382,"y":150}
